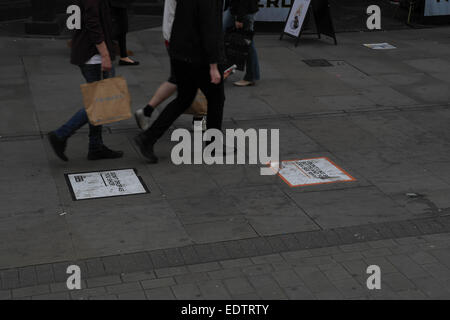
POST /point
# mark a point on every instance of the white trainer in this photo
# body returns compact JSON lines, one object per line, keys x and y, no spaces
{"x":142,"y":121}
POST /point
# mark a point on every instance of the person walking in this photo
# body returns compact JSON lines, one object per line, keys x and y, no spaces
{"x":169,"y":87}
{"x":241,"y":14}
{"x":119,"y":11}
{"x":92,"y":51}
{"x":197,"y":53}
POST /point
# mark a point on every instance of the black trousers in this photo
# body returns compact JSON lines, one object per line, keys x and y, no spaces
{"x":190,"y":77}
{"x":120,"y":21}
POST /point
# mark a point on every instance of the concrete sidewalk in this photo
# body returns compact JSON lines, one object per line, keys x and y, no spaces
{"x":380,"y":115}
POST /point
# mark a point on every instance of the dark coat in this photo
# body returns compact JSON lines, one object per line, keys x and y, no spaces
{"x":197,"y":35}
{"x":121,"y":3}
{"x":241,"y":8}
{"x":96,"y":27}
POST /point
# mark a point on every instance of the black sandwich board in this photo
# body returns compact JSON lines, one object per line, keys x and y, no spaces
{"x":304,"y":10}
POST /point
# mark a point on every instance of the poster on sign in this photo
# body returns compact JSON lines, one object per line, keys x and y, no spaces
{"x":103,"y":184}
{"x":296,"y":17}
{"x":273,"y":10}
{"x":314,"y":171}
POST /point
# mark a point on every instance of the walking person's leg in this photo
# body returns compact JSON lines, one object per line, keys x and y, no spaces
{"x":215,"y":95}
{"x":187,"y":89}
{"x":165,"y":90}
{"x":58,"y":138}
{"x":122,"y":21}
{"x":252,"y":64}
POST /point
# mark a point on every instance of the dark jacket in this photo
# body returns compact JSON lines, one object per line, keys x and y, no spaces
{"x":197,"y":35}
{"x":241,"y":8}
{"x":120,"y":3}
{"x":96,"y":27}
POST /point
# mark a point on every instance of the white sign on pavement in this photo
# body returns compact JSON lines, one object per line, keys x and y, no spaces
{"x":380,"y":46}
{"x":103,"y":184}
{"x":311,"y":172}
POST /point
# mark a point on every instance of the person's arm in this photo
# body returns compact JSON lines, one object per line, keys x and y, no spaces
{"x":210,"y":32}
{"x":104,"y":53}
{"x":95,"y":31}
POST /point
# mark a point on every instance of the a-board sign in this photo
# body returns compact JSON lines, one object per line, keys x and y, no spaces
{"x":296,"y":17}
{"x":316,"y":10}
{"x":103,"y":184}
{"x":322,"y":17}
{"x":307,"y":172}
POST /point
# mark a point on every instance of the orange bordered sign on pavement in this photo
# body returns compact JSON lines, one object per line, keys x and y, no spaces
{"x":314,"y":171}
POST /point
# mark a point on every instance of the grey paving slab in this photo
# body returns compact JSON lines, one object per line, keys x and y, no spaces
{"x":270,"y":211}
{"x":204,"y":267}
{"x":30,"y":291}
{"x":429,"y":92}
{"x":220,"y":231}
{"x":347,"y":102}
{"x":397,"y":282}
{"x":351,"y":75}
{"x":430,"y":65}
{"x":404,"y":79}
{"x":170,"y":272}
{"x":129,"y":228}
{"x":187,"y":292}
{"x":350,"y":288}
{"x":364,"y":205}
{"x":124,"y":288}
{"x":315,"y":280}
{"x":214,"y":290}
{"x":177,"y":182}
{"x":8,"y":113}
{"x":400,"y":133}
{"x":338,"y":133}
{"x":30,"y":239}
{"x":387,"y":97}
{"x":299,"y":293}
{"x":157,"y":283}
{"x":432,"y":288}
{"x":237,"y":286}
{"x":164,"y":293}
{"x":138,"y":276}
{"x":193,"y":210}
{"x":53,"y":296}
{"x":136,"y":295}
{"x":380,"y":65}
{"x":292,"y":140}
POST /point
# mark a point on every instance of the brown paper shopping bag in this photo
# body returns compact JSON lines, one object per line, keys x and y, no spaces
{"x":107,"y":100}
{"x":200,"y":105}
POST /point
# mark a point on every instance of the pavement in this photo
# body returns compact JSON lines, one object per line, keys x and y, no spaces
{"x":225,"y":231}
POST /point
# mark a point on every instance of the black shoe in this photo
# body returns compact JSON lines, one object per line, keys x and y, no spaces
{"x":58,"y":145}
{"x":126,"y":63}
{"x":146,"y":148}
{"x":104,"y":153}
